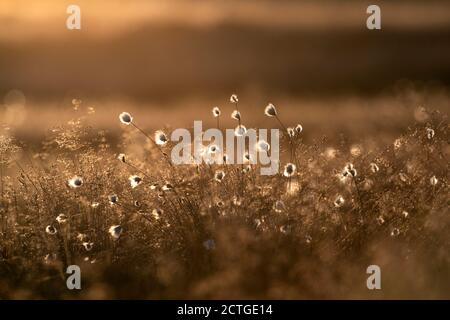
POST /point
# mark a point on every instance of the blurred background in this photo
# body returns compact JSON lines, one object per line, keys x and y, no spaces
{"x":170,"y":61}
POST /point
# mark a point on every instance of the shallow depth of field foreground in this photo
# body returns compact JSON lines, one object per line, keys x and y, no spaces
{"x":139,"y":227}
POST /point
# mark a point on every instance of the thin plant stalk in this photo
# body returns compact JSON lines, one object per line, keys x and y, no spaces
{"x":154,"y":142}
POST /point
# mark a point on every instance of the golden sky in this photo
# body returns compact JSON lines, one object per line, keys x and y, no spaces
{"x":21,"y":19}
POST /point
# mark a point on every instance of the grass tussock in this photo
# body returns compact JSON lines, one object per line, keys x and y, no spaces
{"x":140,"y":227}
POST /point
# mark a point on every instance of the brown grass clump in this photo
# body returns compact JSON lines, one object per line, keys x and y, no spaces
{"x":140,"y":227}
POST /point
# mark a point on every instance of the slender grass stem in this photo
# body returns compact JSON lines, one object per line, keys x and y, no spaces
{"x":154,"y":143}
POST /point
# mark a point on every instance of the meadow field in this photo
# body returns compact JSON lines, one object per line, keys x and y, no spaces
{"x":181,"y":232}
{"x":364,"y":150}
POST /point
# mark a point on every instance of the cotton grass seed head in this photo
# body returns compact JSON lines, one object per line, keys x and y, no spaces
{"x":113,"y":199}
{"x":289,"y":170}
{"x":88,"y":245}
{"x":279,"y":206}
{"x":115,"y":231}
{"x":285,"y":229}
{"x":348,"y":166}
{"x":216,"y":112}
{"x":355,"y":150}
{"x":82,"y":237}
{"x":135,"y":181}
{"x":219,"y":203}
{"x":395,"y":232}
{"x":339,"y":201}
{"x":95,"y":204}
{"x":167,"y":187}
{"x":240,"y":131}
{"x":236,"y":115}
{"x":403,"y":177}
{"x":75,"y":182}
{"x":430,"y":133}
{"x":157,"y":213}
{"x":290,"y":132}
{"x":237,"y":201}
{"x":262,"y":146}
{"x":234,"y":98}
{"x":121,"y":157}
{"x":76,"y":102}
{"x":50,"y":230}
{"x":270,"y":110}
{"x":61,"y":218}
{"x":433,"y":180}
{"x":49,"y":258}
{"x":330,"y":153}
{"x":160,"y":138}
{"x":219,"y":175}
{"x":374,"y":167}
{"x":213,"y":149}
{"x":349,"y":171}
{"x":125,"y":118}
{"x":298,"y":129}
